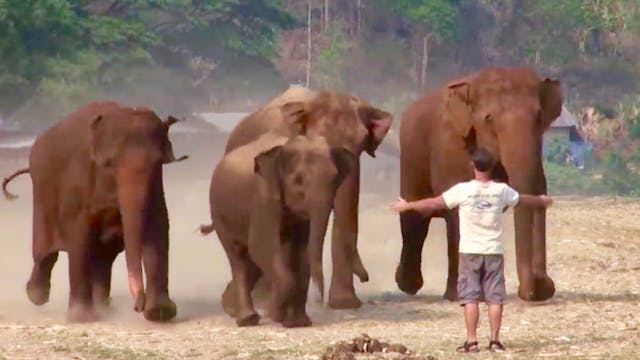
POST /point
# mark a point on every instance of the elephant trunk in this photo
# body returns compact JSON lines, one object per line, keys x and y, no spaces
{"x":526,"y":175}
{"x":134,"y":192}
{"x":317,"y":230}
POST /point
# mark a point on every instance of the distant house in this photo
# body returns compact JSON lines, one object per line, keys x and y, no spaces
{"x":566,"y":127}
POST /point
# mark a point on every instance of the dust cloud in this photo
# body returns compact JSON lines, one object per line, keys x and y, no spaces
{"x":199,"y":269}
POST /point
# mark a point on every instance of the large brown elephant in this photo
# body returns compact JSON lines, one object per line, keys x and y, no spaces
{"x":270,"y":205}
{"x":98,"y":190}
{"x":505,"y":110}
{"x":346,"y":121}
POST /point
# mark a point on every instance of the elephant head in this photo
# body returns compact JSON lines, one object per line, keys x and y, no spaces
{"x":128,"y":149}
{"x":304,"y":174}
{"x":345,"y":120}
{"x":506,"y":111}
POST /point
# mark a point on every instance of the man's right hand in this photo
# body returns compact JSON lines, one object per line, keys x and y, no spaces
{"x":546,"y":200}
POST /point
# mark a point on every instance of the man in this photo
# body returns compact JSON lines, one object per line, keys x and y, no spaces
{"x":481,"y":203}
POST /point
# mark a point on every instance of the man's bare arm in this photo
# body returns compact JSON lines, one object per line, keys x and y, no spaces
{"x":538,"y":201}
{"x":422,"y":206}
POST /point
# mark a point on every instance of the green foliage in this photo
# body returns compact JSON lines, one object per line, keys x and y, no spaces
{"x":331,"y":58}
{"x":65,"y":49}
{"x":439,"y":16}
{"x":556,"y":150}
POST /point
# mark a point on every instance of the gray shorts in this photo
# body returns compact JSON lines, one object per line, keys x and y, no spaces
{"x":481,"y":278}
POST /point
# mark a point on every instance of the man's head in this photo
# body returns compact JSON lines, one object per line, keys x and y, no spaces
{"x":482,"y":160}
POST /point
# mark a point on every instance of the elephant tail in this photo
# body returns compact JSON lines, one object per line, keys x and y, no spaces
{"x":206,"y":229}
{"x":7,"y":180}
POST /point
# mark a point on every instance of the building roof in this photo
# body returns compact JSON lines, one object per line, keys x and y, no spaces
{"x":565,"y":120}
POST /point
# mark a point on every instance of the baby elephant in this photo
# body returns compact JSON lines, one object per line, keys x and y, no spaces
{"x":270,"y":205}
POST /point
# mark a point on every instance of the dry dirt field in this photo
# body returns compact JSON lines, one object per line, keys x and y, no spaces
{"x":593,"y":248}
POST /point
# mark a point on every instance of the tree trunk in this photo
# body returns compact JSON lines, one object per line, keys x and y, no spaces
{"x":308,"y":44}
{"x":425,"y":61}
{"x":414,"y":64}
{"x":359,"y":16}
{"x":327,"y":18}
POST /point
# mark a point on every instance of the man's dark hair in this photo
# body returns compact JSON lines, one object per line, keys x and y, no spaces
{"x":483,"y":160}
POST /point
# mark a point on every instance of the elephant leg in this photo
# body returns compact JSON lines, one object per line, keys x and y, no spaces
{"x":344,"y":246}
{"x":80,"y":294}
{"x":284,"y":283}
{"x":301,"y":268}
{"x":242,"y":280}
{"x":101,"y":265}
{"x":523,"y":219}
{"x":543,"y":286}
{"x":414,"y":229}
{"x":453,"y":242}
{"x":155,"y":256}
{"x":39,"y":283}
{"x":229,"y":300}
{"x":230,"y":294}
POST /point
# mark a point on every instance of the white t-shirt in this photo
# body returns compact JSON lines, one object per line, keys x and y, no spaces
{"x":481,"y":205}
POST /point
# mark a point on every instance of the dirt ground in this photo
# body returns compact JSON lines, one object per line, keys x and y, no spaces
{"x":593,"y":246}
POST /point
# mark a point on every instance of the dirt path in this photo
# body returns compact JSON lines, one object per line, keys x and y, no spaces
{"x":593,"y":247}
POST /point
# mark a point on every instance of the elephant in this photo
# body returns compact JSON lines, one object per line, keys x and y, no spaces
{"x":346,"y":121}
{"x":506,"y":110}
{"x":98,"y":190}
{"x":270,"y":205}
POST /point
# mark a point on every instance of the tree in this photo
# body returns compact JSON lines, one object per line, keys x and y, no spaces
{"x":66,"y":49}
{"x":437,"y":19}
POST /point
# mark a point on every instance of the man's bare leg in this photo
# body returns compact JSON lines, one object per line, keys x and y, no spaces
{"x":471,"y":316}
{"x":495,"y":320}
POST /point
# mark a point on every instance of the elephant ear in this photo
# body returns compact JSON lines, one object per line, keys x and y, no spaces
{"x":168,"y":156}
{"x":101,"y":154}
{"x":265,"y":164}
{"x":550,"y":101}
{"x":378,"y":123}
{"x":294,"y":112}
{"x":458,"y":110}
{"x":346,"y":163}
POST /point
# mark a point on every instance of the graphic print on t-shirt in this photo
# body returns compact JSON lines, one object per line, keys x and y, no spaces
{"x":482,"y":205}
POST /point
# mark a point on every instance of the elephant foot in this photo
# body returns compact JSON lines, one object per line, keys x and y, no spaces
{"x":164,"y":310}
{"x":319,"y":299}
{"x":228,"y":301}
{"x":362,"y":274}
{"x":101,"y":297}
{"x":344,"y":300}
{"x":138,"y":306}
{"x":409,"y":284}
{"x":297,"y":321}
{"x":451,"y":292}
{"x":543,"y":289}
{"x":81,"y":314}
{"x":275,"y":313}
{"x":38,"y":294}
{"x":251,"y":318}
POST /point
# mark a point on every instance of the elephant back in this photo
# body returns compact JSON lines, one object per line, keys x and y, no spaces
{"x":267,"y":118}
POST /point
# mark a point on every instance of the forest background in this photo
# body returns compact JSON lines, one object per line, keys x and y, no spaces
{"x":186,"y":56}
